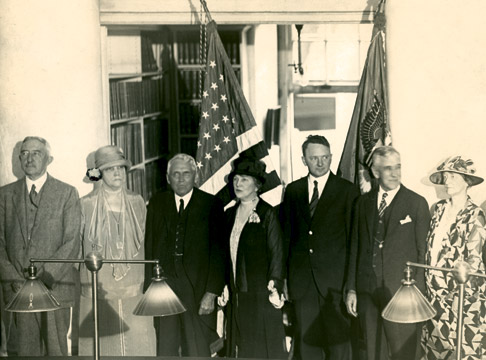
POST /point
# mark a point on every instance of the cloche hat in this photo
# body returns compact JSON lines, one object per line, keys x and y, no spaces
{"x":106,"y":157}
{"x":456,"y":164}
{"x":247,"y":165}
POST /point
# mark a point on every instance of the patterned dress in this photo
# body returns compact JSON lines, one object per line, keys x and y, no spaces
{"x":463,"y":240}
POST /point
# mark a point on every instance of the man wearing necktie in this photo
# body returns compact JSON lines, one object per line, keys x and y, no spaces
{"x":183,"y":231}
{"x":316,"y":218}
{"x":389,"y":228}
{"x":40,"y":217}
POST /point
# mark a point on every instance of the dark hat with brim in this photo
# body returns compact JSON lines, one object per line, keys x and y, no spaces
{"x":249,"y":166}
{"x":109,"y":156}
{"x":458,"y":165}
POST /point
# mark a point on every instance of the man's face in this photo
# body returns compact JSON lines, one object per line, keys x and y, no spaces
{"x":34,"y":158}
{"x":181,"y":177}
{"x":318,"y":159}
{"x":388,"y":171}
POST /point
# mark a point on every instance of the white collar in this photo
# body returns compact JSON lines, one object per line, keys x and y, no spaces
{"x":321,"y":183}
{"x":39,"y":183}
{"x":186,"y":199}
{"x":390,"y":196}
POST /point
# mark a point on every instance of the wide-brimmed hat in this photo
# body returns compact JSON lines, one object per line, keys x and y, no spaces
{"x":456,"y":164}
{"x":109,"y":156}
{"x":246,"y":165}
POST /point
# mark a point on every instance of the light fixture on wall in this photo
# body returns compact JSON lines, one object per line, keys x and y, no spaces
{"x":298,"y":69}
{"x":408,"y":305}
{"x":158,"y":300}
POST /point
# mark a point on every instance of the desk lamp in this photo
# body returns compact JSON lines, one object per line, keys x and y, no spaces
{"x":158,"y":300}
{"x":408,"y":305}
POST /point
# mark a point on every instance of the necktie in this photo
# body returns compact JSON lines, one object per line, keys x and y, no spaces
{"x":382,"y":207}
{"x":34,"y":196}
{"x":181,"y":206}
{"x":314,"y":199}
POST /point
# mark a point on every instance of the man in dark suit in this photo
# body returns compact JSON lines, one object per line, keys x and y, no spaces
{"x":316,"y":217}
{"x":389,"y":229}
{"x":39,"y":218}
{"x":184,"y":232}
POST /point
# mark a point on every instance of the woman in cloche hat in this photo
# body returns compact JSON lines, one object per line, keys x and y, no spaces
{"x":456,"y":234}
{"x":113,"y":224}
{"x":256,"y":267}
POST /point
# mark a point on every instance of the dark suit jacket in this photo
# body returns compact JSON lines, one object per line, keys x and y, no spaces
{"x":203,"y":251}
{"x":404,"y":240}
{"x":318,"y":247}
{"x":260,"y":251}
{"x":55,"y":235}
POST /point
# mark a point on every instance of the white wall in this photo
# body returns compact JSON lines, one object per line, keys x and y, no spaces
{"x":51,"y":84}
{"x":437,"y":78}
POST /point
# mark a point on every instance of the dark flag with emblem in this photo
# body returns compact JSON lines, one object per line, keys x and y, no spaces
{"x":369,"y":126}
{"x":227,"y":128}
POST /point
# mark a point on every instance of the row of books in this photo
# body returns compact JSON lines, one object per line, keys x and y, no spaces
{"x":148,"y":58}
{"x":189,"y":115}
{"x":156,"y":137}
{"x":129,"y":138}
{"x":135,"y":98}
{"x":188,"y":51}
{"x":136,"y":182}
{"x":155,"y":175}
{"x":189,"y":85}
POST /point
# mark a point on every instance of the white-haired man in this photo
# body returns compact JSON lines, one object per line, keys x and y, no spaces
{"x":184,"y":234}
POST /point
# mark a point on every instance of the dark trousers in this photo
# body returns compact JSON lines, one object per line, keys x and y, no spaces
{"x":322,"y":327}
{"x":384,"y":339}
{"x":40,"y":333}
{"x":186,"y":334}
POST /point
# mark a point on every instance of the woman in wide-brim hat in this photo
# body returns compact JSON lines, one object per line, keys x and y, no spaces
{"x":256,"y":267}
{"x":113,"y":224}
{"x":457,"y":233}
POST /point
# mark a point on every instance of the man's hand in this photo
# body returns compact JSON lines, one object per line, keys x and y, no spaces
{"x":352,"y":302}
{"x":207,"y":304}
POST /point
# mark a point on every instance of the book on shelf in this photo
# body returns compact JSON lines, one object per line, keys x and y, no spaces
{"x":136,"y":182}
{"x":128,"y":137}
{"x":156,"y":137}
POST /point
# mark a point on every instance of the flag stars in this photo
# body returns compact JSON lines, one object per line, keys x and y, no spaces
{"x":215,"y":127}
{"x":206,"y":135}
{"x":223,"y":98}
{"x":205,"y":94}
{"x":205,"y":114}
{"x":215,"y":106}
{"x":199,"y":144}
{"x":226,"y":139}
{"x":221,"y":77}
{"x":214,"y":86}
{"x":212,"y":64}
{"x":199,"y":165}
{"x":233,"y":120}
{"x":225,"y":119}
{"x":217,"y":148}
{"x":208,"y":156}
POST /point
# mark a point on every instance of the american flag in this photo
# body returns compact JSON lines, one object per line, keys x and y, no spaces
{"x":369,"y":126}
{"x":227,"y":127}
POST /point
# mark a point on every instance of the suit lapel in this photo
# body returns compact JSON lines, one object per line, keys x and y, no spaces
{"x":47,"y":203}
{"x":19,"y":204}
{"x":327,"y":197}
{"x":370,"y":213}
{"x":303,"y":199}
{"x":395,"y":209}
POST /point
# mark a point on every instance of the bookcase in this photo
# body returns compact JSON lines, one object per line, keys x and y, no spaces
{"x":152,"y":92}
{"x":187,"y":75}
{"x":138,"y":68}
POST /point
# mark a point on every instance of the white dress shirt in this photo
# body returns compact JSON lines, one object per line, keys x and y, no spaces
{"x":321,"y":183}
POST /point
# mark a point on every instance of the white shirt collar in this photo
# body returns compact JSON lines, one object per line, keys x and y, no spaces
{"x":390,"y":196}
{"x":39,"y":183}
{"x":321,"y":183}
{"x":186,"y":199}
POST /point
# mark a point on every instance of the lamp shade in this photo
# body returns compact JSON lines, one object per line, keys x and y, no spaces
{"x":33,"y":297}
{"x":408,"y":305}
{"x":159,"y":300}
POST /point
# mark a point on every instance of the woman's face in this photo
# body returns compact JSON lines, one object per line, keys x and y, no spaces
{"x":114,"y":177}
{"x":454,"y":183}
{"x":245,"y":187}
